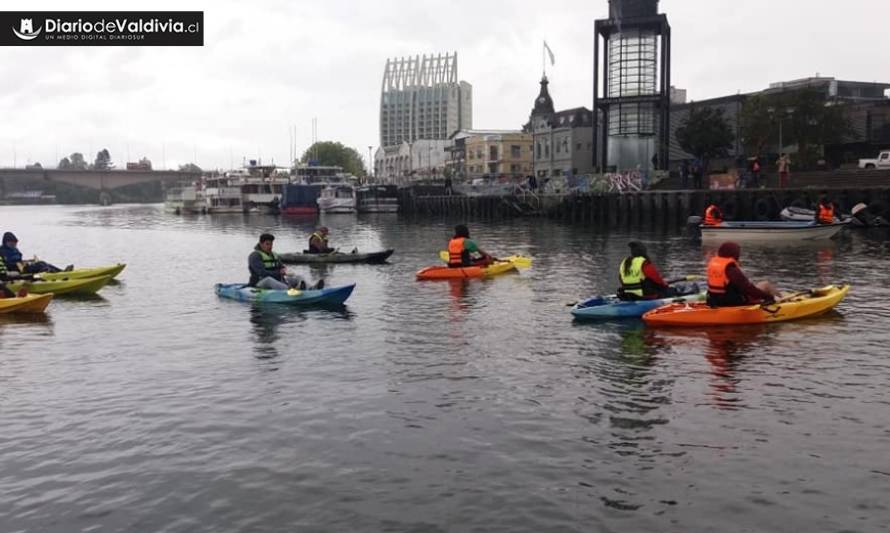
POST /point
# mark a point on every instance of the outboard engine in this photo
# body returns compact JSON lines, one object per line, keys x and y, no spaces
{"x":692,"y":227}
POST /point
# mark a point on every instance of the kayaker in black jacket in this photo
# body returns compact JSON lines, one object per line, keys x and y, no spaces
{"x":268,"y":272}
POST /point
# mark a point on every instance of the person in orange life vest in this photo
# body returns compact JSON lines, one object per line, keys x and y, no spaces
{"x":727,"y":284}
{"x":824,"y":211}
{"x":461,"y":248}
{"x":713,"y":216}
{"x":640,"y":279}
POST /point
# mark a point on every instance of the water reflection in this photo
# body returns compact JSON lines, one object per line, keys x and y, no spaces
{"x":267,"y":322}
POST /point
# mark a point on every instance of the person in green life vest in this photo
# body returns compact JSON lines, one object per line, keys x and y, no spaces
{"x":639,"y":277}
{"x":461,"y":249}
{"x":318,"y":242}
{"x":268,"y":272}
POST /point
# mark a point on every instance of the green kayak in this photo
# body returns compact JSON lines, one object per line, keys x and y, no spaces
{"x":79,"y":273}
{"x":61,"y":286}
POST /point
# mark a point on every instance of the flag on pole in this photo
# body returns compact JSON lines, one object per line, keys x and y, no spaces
{"x":550,"y":53}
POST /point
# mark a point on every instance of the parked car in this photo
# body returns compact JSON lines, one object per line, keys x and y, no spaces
{"x":882,"y":161}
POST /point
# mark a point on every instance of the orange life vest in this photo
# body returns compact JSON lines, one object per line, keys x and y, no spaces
{"x":713,"y":216}
{"x":826,"y":214}
{"x":456,"y":252}
{"x":717,"y":279}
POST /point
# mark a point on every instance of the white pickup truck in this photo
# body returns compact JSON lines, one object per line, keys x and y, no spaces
{"x":882,"y":161}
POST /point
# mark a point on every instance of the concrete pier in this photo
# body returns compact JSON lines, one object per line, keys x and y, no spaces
{"x":643,"y":208}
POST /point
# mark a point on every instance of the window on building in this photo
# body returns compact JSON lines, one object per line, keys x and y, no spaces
{"x":578,"y":146}
{"x":546,"y":150}
{"x":479,"y":153}
{"x":589,"y":146}
{"x":557,"y":172}
{"x":514,"y":168}
{"x":515,"y":151}
{"x":538,"y":145}
{"x":492,"y":153}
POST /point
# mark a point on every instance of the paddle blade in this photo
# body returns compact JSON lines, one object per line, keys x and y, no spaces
{"x":443,"y":255}
{"x":520,"y":261}
{"x":293,"y":292}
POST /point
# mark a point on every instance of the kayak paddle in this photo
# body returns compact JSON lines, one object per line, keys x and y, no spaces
{"x":519,"y":261}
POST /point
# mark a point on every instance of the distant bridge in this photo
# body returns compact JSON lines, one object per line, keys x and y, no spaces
{"x":100,"y":180}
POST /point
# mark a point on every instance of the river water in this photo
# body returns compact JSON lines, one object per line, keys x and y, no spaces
{"x":430,"y":406}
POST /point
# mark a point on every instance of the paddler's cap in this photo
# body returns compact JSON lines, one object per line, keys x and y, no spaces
{"x":267,"y":237}
{"x":729,"y":249}
{"x":9,"y":237}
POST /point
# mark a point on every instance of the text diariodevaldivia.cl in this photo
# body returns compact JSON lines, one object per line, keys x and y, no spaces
{"x":121,"y":26}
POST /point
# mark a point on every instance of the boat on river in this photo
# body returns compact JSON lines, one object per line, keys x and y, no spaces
{"x":378,"y":199}
{"x":373,"y":258}
{"x":246,"y":293}
{"x":775,"y":232}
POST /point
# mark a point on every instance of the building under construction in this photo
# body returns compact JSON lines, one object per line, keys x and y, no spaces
{"x":421,"y":98}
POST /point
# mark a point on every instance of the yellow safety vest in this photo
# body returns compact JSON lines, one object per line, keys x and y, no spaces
{"x":632,"y":282}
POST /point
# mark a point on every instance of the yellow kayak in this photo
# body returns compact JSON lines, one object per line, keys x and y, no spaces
{"x":61,"y":286}
{"x":32,"y":303}
{"x":78,"y":273}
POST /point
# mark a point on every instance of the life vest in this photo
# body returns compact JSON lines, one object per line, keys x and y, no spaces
{"x":717,"y":279}
{"x":270,"y":260}
{"x":322,"y":238}
{"x":456,"y":252}
{"x":826,"y":214}
{"x":713,"y":216}
{"x":632,"y":281}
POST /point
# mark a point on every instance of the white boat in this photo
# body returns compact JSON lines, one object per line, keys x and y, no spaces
{"x":770,"y":232}
{"x":222,"y":193}
{"x":378,"y":199}
{"x":337,"y":198}
{"x":262,"y":188}
{"x":184,"y":200}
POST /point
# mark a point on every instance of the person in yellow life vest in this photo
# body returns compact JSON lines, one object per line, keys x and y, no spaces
{"x":713,"y":216}
{"x":727,"y":284}
{"x":461,"y":249}
{"x":824,"y":211}
{"x":318,"y":242}
{"x":639,"y":277}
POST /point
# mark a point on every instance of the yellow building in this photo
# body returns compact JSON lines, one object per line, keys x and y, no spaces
{"x":502,"y":154}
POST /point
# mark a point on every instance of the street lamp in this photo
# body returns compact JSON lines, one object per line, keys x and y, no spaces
{"x":371,"y":169}
{"x":786,"y":113}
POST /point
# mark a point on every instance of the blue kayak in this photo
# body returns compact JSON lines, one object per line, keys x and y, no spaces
{"x":245,"y":293}
{"x":609,"y":307}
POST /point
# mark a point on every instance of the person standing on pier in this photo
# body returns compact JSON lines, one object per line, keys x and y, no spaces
{"x":461,"y":248}
{"x":784,"y":165}
{"x":727,"y":284}
{"x":684,"y":174}
{"x":640,"y":278}
{"x":713,"y":216}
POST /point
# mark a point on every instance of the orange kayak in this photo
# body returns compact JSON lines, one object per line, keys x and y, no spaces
{"x":810,"y":303}
{"x":444,"y":272}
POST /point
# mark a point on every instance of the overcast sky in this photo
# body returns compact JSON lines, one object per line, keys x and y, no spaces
{"x":269,"y":65}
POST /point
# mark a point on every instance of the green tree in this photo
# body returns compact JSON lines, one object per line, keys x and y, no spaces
{"x":705,"y":134}
{"x":74,"y":161}
{"x":756,"y":124}
{"x":813,"y":124}
{"x":330,"y":153}
{"x":103,"y":160}
{"x":190,"y":167}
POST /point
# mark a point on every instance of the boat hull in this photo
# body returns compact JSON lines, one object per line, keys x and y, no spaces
{"x":80,"y":273}
{"x":369,"y":258}
{"x":777,"y":232}
{"x":32,"y":303}
{"x":813,"y":303}
{"x":444,"y":272}
{"x":79,"y":286}
{"x":611,"y":307}
{"x":244,"y":293}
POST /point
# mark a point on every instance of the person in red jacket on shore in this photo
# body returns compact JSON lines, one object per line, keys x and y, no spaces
{"x":727,"y":284}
